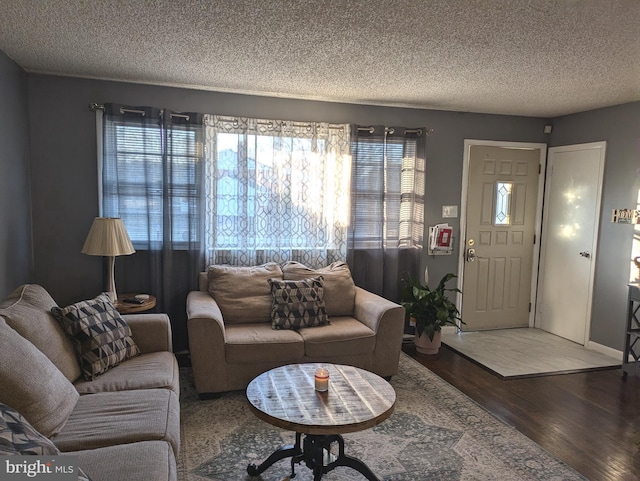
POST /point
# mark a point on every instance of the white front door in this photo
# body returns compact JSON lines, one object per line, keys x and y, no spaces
{"x":501,"y":221}
{"x":569,"y":239}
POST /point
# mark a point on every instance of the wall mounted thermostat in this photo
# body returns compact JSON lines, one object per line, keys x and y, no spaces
{"x":449,"y":211}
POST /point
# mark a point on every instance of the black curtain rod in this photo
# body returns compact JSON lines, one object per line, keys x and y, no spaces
{"x":391,"y":130}
{"x":94,"y":106}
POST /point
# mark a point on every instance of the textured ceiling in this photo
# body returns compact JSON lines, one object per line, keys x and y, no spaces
{"x":539,"y":58}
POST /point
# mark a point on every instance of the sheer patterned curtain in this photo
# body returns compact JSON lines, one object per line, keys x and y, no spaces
{"x":153,"y":178}
{"x":276,"y":191}
{"x":387,"y":206}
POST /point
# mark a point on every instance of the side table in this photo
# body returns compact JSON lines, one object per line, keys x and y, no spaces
{"x":632,"y":333}
{"x":131,"y":308}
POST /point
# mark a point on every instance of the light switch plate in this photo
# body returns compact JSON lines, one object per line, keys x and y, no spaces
{"x":449,"y":211}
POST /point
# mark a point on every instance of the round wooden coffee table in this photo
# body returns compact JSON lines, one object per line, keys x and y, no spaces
{"x":286,"y":397}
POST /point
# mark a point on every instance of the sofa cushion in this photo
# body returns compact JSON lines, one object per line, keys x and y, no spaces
{"x":243,"y":293}
{"x":28,"y":311}
{"x":339,"y":288}
{"x":111,"y":418}
{"x":146,"y":371}
{"x":17,"y":436}
{"x":258,"y":342}
{"x":152,"y":460}
{"x":346,"y":335}
{"x":102,"y":339}
{"x":298,"y":304}
{"x":31,"y":384}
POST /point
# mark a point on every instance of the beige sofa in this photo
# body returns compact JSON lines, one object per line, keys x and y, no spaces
{"x":232,"y":340}
{"x":123,"y":424}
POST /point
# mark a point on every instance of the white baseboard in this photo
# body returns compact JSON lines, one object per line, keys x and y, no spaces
{"x":609,"y":351}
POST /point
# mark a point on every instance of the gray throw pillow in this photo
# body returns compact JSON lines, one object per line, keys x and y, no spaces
{"x":298,"y":304}
{"x":101,"y":337}
{"x":242,"y":293}
{"x":31,"y":384}
{"x":28,"y":311}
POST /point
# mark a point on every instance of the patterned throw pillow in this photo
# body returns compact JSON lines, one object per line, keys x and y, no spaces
{"x":17,"y":436}
{"x":101,"y":337}
{"x":298,"y":304}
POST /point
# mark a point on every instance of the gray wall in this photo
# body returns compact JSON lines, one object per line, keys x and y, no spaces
{"x":15,"y":200}
{"x":64,"y":167}
{"x":620,"y":127}
{"x":63,"y":174}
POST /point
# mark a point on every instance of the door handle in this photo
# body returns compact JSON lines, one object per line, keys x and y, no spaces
{"x":471,"y":255}
{"x":585,"y":254}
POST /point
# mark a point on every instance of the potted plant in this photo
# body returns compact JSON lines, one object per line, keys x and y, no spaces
{"x":430,"y":309}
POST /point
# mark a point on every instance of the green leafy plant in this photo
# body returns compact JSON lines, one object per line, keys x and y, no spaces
{"x":431,"y":308}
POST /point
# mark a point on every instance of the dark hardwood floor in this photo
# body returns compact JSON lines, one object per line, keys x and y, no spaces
{"x":590,"y":420}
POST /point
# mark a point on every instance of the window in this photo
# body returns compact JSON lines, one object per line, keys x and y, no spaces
{"x":137,"y":155}
{"x":276,"y":191}
{"x":152,"y":175}
{"x":503,"y":203}
{"x":388,"y":188}
{"x":387,"y":206}
{"x":246,"y":191}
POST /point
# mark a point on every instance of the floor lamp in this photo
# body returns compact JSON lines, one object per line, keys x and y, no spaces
{"x":108,"y":237}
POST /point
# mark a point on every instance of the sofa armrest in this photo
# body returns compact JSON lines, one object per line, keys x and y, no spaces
{"x":207,"y":338}
{"x":370,"y":309}
{"x":151,"y":332}
{"x":200,"y":305}
{"x":386,"y":319}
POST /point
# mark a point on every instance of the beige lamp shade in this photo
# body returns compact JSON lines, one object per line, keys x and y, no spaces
{"x":107,"y":237}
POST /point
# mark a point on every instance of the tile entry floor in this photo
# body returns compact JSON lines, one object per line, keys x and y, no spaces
{"x":526,"y":352}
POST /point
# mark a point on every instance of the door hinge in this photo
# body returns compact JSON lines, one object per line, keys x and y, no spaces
{"x":534,"y":239}
{"x":539,"y":168}
{"x":529,"y":307}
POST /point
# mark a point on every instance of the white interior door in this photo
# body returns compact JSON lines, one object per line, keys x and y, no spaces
{"x":501,"y":220}
{"x":569,"y":239}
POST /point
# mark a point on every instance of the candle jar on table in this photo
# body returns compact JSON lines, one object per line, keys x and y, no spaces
{"x":321,"y":379}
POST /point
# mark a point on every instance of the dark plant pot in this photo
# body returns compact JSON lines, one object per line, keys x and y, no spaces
{"x":425,"y":346}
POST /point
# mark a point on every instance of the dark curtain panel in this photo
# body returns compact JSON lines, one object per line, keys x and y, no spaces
{"x":153,"y":179}
{"x":387,"y":207}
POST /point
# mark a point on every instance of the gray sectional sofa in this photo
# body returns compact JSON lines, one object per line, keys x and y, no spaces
{"x":123,"y":424}
{"x":231,"y":328}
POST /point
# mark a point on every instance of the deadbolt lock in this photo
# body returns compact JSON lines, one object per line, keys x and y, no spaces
{"x":471,"y":255}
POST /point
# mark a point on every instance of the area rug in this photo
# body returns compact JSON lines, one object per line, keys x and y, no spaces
{"x":527,"y":352}
{"x":435,"y":433}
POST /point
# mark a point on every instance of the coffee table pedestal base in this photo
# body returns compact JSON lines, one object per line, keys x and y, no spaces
{"x":314,"y":452}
